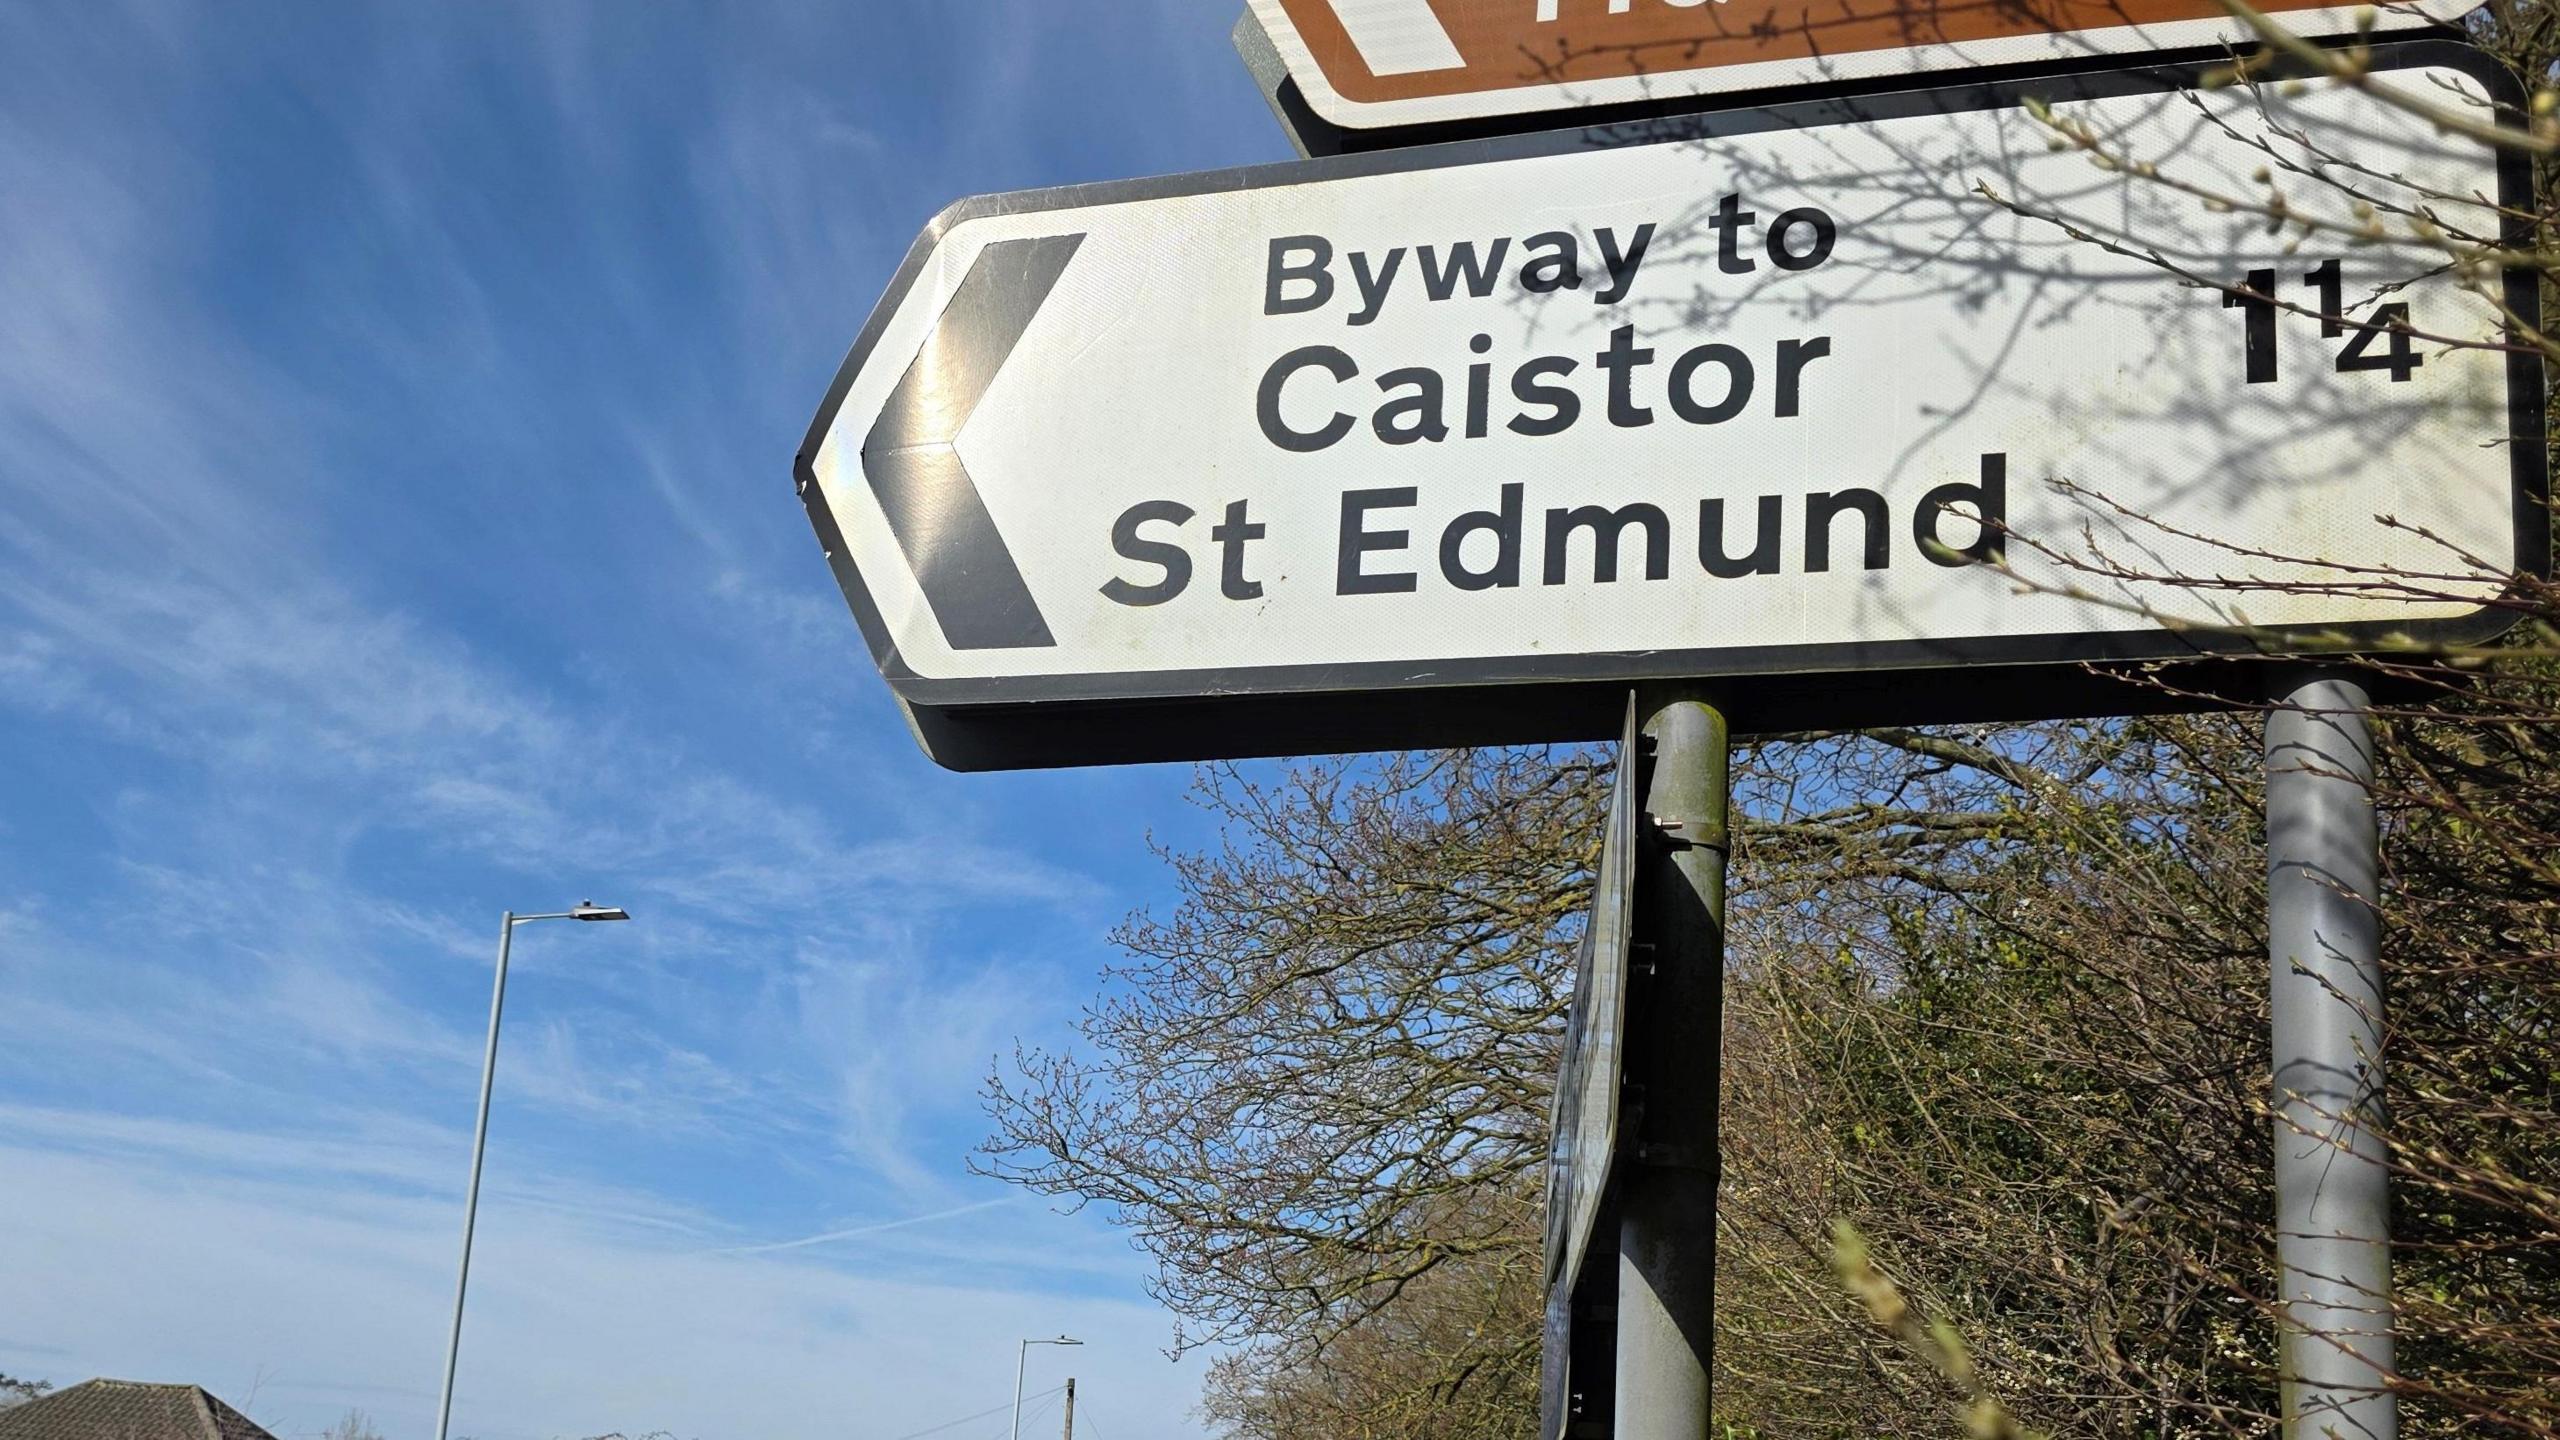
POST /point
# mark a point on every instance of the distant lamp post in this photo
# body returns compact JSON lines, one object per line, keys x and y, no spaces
{"x":1020,"y":1354}
{"x":583,"y":910}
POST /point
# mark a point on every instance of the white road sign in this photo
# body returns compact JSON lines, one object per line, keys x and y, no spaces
{"x":1731,"y":396}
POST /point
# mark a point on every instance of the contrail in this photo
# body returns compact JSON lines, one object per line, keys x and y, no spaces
{"x":861,"y":1230}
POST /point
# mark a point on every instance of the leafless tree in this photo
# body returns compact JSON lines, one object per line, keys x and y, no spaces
{"x":1996,"y":1007}
{"x":354,"y":1425}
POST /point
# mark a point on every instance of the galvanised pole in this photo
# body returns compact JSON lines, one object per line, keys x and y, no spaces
{"x":2333,"y":1232}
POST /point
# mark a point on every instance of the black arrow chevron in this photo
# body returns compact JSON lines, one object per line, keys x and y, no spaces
{"x":933,"y":507}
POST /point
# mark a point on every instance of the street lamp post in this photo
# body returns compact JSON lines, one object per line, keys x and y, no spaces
{"x":584,"y":910}
{"x":1021,"y":1353}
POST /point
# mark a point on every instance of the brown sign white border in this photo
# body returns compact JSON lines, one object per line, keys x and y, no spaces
{"x":1381,"y":64}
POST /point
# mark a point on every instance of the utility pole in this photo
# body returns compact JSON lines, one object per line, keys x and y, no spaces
{"x":2333,"y":1225}
{"x":1071,"y":1407}
{"x":1666,"y":1233}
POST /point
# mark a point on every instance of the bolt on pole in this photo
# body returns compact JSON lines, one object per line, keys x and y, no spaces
{"x":1666,"y":1233}
{"x":2333,"y":1236}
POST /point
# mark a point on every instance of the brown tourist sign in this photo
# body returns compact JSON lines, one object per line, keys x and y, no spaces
{"x":1367,"y":64}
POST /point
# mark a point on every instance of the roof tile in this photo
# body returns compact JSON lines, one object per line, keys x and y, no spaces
{"x":128,"y":1410}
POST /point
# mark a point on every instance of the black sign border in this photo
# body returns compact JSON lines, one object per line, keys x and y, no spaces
{"x":1032,"y":721}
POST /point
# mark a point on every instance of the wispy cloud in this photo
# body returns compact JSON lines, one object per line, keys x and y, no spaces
{"x":859,"y":1231}
{"x":394,"y":526}
{"x":581,"y":1322}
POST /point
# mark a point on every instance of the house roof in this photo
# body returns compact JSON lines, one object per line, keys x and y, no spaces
{"x":128,"y":1410}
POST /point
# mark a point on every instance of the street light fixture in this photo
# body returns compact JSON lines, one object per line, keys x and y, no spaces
{"x":1020,"y":1353}
{"x":583,"y":910}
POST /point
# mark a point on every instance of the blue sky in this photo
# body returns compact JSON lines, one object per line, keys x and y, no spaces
{"x":396,"y":412}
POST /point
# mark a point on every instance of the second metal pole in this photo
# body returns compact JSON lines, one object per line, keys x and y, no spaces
{"x":2333,"y":1223}
{"x":1021,"y":1356}
{"x":479,"y":1147}
{"x":1666,"y":1230}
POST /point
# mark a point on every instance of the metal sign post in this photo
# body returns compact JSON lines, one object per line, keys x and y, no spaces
{"x":2333,"y":1223}
{"x":1630,"y":1328}
{"x":1667,"y":1224}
